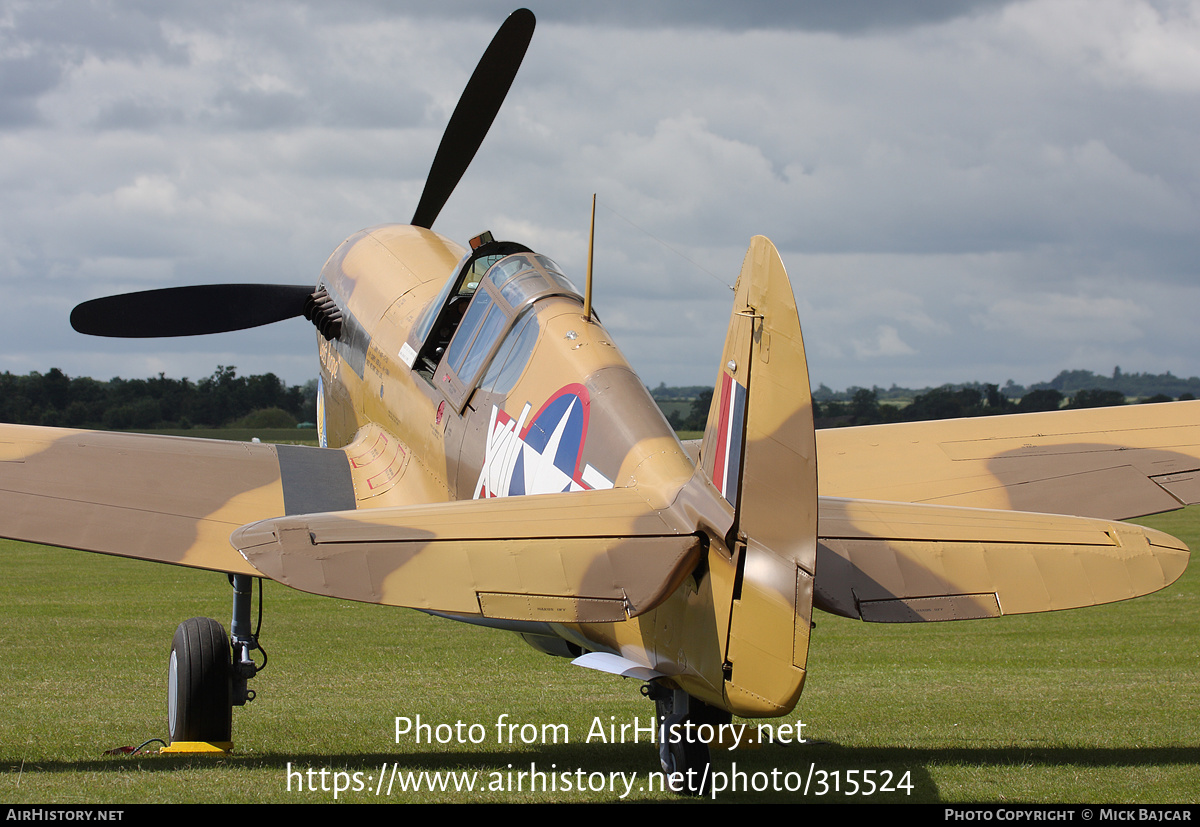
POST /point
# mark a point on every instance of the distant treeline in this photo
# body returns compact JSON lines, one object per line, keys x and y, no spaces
{"x":225,"y":399}
{"x":220,"y":400}
{"x":1068,"y":383}
{"x":872,"y":406}
{"x":950,"y":403}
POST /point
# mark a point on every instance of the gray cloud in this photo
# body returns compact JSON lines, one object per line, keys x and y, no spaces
{"x":960,"y":191}
{"x":806,"y":15}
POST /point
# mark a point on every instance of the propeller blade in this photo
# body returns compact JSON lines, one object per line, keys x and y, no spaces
{"x":190,"y":311}
{"x":474,"y":113}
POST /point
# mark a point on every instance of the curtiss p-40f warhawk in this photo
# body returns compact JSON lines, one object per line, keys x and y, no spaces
{"x":488,"y":455}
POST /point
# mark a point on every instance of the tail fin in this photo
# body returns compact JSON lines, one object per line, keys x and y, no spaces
{"x":759,"y":450}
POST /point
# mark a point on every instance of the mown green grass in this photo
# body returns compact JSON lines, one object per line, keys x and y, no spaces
{"x":1097,"y":705}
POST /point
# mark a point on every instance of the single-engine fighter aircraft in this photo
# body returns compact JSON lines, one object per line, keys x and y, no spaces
{"x":488,"y":455}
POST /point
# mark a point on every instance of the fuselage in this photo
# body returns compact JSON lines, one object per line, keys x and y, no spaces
{"x":549,"y":394}
{"x":467,"y":374}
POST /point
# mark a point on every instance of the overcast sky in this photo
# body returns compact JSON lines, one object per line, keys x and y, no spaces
{"x":960,"y":191}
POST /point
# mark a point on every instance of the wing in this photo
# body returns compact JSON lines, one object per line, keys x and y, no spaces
{"x":169,"y":499}
{"x":1114,"y":463}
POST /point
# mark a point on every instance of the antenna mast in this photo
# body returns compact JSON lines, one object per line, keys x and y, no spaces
{"x":587,"y":290}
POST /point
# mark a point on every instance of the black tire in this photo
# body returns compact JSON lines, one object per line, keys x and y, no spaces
{"x":686,"y":763}
{"x":689,"y":770}
{"x":199,"y":683}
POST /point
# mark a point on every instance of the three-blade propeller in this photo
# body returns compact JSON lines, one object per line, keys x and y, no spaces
{"x":219,"y":308}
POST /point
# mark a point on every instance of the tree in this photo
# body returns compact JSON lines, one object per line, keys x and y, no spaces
{"x":697,"y":417}
{"x":865,"y":407}
{"x":1044,"y":399}
{"x":1096,"y":398}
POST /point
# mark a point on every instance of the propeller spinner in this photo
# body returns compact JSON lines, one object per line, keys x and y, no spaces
{"x":219,"y":308}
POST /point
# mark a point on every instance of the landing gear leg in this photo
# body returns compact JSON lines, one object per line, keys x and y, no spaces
{"x":243,"y":638}
{"x":684,"y":757}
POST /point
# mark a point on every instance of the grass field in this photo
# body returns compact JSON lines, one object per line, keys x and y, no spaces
{"x":1096,"y":705}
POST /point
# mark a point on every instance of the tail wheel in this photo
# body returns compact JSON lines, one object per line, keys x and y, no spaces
{"x":199,"y":683}
{"x":687,"y":768}
{"x":684,"y":759}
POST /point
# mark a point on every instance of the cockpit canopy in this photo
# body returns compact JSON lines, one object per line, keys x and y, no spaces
{"x":464,"y":328}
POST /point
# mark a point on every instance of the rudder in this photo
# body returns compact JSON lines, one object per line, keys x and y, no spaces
{"x":759,"y":450}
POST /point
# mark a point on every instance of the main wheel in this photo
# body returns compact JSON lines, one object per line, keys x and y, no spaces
{"x":199,"y":683}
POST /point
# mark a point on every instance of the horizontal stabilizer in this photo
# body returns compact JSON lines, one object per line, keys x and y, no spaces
{"x":582,"y":557}
{"x":903,"y":563}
